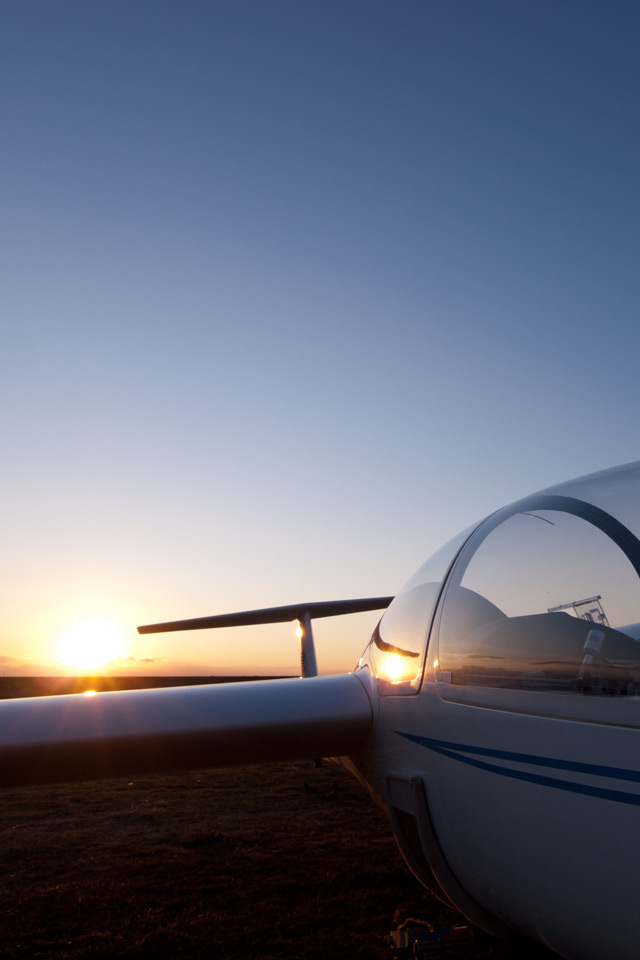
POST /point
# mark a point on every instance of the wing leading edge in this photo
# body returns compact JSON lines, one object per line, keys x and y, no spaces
{"x":78,"y":737}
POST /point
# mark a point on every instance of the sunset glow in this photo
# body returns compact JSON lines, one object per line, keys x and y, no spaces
{"x":90,"y":645}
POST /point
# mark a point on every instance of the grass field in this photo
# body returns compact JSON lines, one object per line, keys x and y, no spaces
{"x":281,"y":861}
{"x":284,"y":861}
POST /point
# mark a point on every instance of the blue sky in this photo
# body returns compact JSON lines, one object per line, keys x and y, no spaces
{"x":292,"y":292}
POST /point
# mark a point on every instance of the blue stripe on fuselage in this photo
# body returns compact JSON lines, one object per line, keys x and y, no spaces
{"x":456,"y":751}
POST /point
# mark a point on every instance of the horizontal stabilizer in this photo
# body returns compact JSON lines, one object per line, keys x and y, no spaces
{"x":295,"y":611}
{"x":130,"y":732}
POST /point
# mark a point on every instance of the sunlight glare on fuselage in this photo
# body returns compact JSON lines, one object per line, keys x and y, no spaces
{"x":89,"y":645}
{"x":393,"y":667}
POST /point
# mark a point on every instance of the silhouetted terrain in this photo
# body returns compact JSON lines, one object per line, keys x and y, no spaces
{"x":13,"y":687}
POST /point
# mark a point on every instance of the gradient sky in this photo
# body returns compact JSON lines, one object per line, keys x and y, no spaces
{"x":291,"y":293}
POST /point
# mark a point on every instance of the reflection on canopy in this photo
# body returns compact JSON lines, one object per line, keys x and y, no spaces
{"x":547,"y":601}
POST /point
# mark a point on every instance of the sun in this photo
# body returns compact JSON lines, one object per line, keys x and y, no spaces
{"x":90,"y":644}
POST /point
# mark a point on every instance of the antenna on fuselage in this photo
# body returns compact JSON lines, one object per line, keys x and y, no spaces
{"x":303,"y":613}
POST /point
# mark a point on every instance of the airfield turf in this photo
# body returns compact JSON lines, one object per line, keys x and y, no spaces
{"x":283,"y":861}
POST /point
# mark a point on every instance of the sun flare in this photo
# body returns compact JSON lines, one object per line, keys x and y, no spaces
{"x":90,"y":645}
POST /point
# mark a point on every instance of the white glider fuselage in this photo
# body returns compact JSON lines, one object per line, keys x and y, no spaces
{"x":537,"y":832}
{"x":511,"y":767}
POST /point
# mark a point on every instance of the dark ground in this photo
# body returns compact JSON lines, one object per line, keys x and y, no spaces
{"x":284,"y":861}
{"x":13,"y":687}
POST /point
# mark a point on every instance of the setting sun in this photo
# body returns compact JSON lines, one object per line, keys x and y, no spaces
{"x":90,"y":645}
